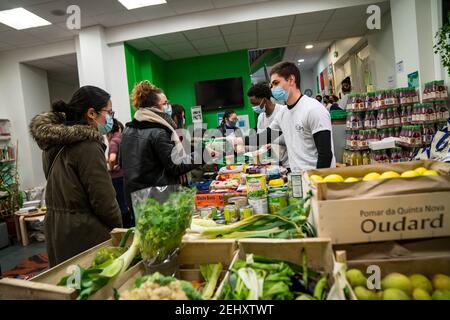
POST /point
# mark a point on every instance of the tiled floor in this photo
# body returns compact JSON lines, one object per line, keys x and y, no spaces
{"x":12,"y":255}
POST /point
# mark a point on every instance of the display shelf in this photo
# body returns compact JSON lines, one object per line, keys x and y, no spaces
{"x":5,"y":138}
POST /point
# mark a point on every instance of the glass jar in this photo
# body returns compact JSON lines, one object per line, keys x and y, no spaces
{"x":367,"y":121}
{"x":404,"y":115}
{"x":403,"y":96}
{"x":356,"y":158}
{"x":397,"y":132}
{"x":362,"y":139}
{"x":391,"y":133}
{"x":426,"y":92}
{"x":390,"y":117}
{"x":444,"y":111}
{"x":366,"y":158}
{"x":354,"y":139}
{"x":396,"y":116}
{"x":348,"y":140}
{"x":416,"y":136}
{"x":382,"y":118}
{"x":370,"y":97}
{"x":351,"y":102}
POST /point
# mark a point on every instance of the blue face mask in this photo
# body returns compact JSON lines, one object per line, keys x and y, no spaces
{"x":258,"y":110}
{"x":232,"y":124}
{"x":280,"y":94}
{"x":107,"y":127}
{"x":168,"y":110}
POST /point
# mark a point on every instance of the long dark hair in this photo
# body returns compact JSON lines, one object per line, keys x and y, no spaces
{"x":227,"y":116}
{"x":177,"y":111}
{"x":84,"y":98}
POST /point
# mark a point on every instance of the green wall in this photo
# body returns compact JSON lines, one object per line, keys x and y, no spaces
{"x":178,"y":77}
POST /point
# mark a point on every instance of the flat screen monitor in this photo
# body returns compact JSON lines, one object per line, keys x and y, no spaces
{"x":219,"y":94}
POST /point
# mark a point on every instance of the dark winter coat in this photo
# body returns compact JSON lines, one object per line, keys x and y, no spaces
{"x":80,"y":198}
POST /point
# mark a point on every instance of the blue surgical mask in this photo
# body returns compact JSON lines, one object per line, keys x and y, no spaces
{"x":280,"y":94}
{"x":258,"y":109}
{"x":232,"y":124}
{"x":168,"y":110}
{"x":107,"y":127}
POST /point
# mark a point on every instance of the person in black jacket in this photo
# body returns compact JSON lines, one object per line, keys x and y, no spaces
{"x":229,"y":122}
{"x":151,"y":151}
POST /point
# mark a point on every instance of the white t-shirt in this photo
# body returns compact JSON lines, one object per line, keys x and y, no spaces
{"x":278,"y":146}
{"x":299,"y":125}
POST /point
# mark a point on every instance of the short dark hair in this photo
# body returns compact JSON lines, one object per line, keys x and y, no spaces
{"x":260,"y":90}
{"x":285,"y":70}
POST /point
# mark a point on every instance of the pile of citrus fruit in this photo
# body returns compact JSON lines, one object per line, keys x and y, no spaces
{"x":376,"y":176}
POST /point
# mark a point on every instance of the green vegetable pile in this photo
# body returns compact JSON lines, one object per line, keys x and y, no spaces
{"x":261,"y":278}
{"x":161,"y":227}
{"x":109,"y":263}
{"x":290,"y":222}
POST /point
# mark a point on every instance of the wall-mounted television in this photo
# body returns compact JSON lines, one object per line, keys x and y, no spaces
{"x":221,"y":93}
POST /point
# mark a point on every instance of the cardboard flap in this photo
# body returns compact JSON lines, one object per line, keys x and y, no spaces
{"x":384,"y":187}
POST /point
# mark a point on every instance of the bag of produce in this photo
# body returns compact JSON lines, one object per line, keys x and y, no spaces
{"x":161,"y":226}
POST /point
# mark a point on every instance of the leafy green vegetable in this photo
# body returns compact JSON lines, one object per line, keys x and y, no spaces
{"x":108,"y":264}
{"x":271,"y":279}
{"x":211,"y":273}
{"x":161,"y":226}
{"x":290,"y":222}
{"x":256,"y":193}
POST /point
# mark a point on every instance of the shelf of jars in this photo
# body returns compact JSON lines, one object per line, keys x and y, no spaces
{"x":393,"y":115}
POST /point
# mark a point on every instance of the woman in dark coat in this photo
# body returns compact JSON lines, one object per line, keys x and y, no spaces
{"x":81,"y":201}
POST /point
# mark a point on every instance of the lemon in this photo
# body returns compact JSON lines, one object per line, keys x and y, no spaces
{"x":390,"y":175}
{"x":420,"y":170}
{"x":333,"y":178}
{"x":431,"y":173}
{"x":351,"y":180}
{"x":372,"y":176}
{"x":410,"y":174}
{"x":316,"y":178}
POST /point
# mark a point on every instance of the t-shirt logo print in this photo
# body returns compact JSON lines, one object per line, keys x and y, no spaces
{"x":299,"y":128}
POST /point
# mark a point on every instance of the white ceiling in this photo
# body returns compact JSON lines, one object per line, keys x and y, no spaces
{"x":60,"y":68}
{"x":109,"y":13}
{"x":319,"y":28}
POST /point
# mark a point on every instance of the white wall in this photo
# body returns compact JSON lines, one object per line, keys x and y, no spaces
{"x":117,"y":81}
{"x":36,"y":100}
{"x":59,"y":90}
{"x":307,"y":81}
{"x":13,"y":101}
{"x":343,"y":47}
{"x":381,"y":56}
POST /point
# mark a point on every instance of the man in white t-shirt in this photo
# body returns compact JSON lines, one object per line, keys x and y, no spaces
{"x":260,"y":98}
{"x":305,"y":123}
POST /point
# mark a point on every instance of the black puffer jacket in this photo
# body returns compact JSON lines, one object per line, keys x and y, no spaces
{"x":146,"y":151}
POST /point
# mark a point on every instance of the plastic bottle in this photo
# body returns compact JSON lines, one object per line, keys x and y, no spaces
{"x":426,"y":92}
{"x":366,"y":158}
{"x":431,"y":111}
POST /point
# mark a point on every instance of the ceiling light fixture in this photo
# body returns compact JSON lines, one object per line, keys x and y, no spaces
{"x":309,"y":46}
{"x":301,"y":60}
{"x":134,"y":4}
{"x":20,"y":18}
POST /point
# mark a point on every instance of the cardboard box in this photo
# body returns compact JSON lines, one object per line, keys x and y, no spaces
{"x":318,"y":250}
{"x":427,"y":257}
{"x":389,"y":209}
{"x":203,"y":200}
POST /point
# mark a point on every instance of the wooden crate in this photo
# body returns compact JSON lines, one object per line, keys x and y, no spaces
{"x":427,"y":257}
{"x":44,"y":286}
{"x":192,"y":255}
{"x":318,"y":250}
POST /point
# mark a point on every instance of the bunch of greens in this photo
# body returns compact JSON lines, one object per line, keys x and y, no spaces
{"x":256,"y":194}
{"x":108,"y":264}
{"x":261,"y":278}
{"x":161,"y":226}
{"x":211,"y":273}
{"x":290,"y":222}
